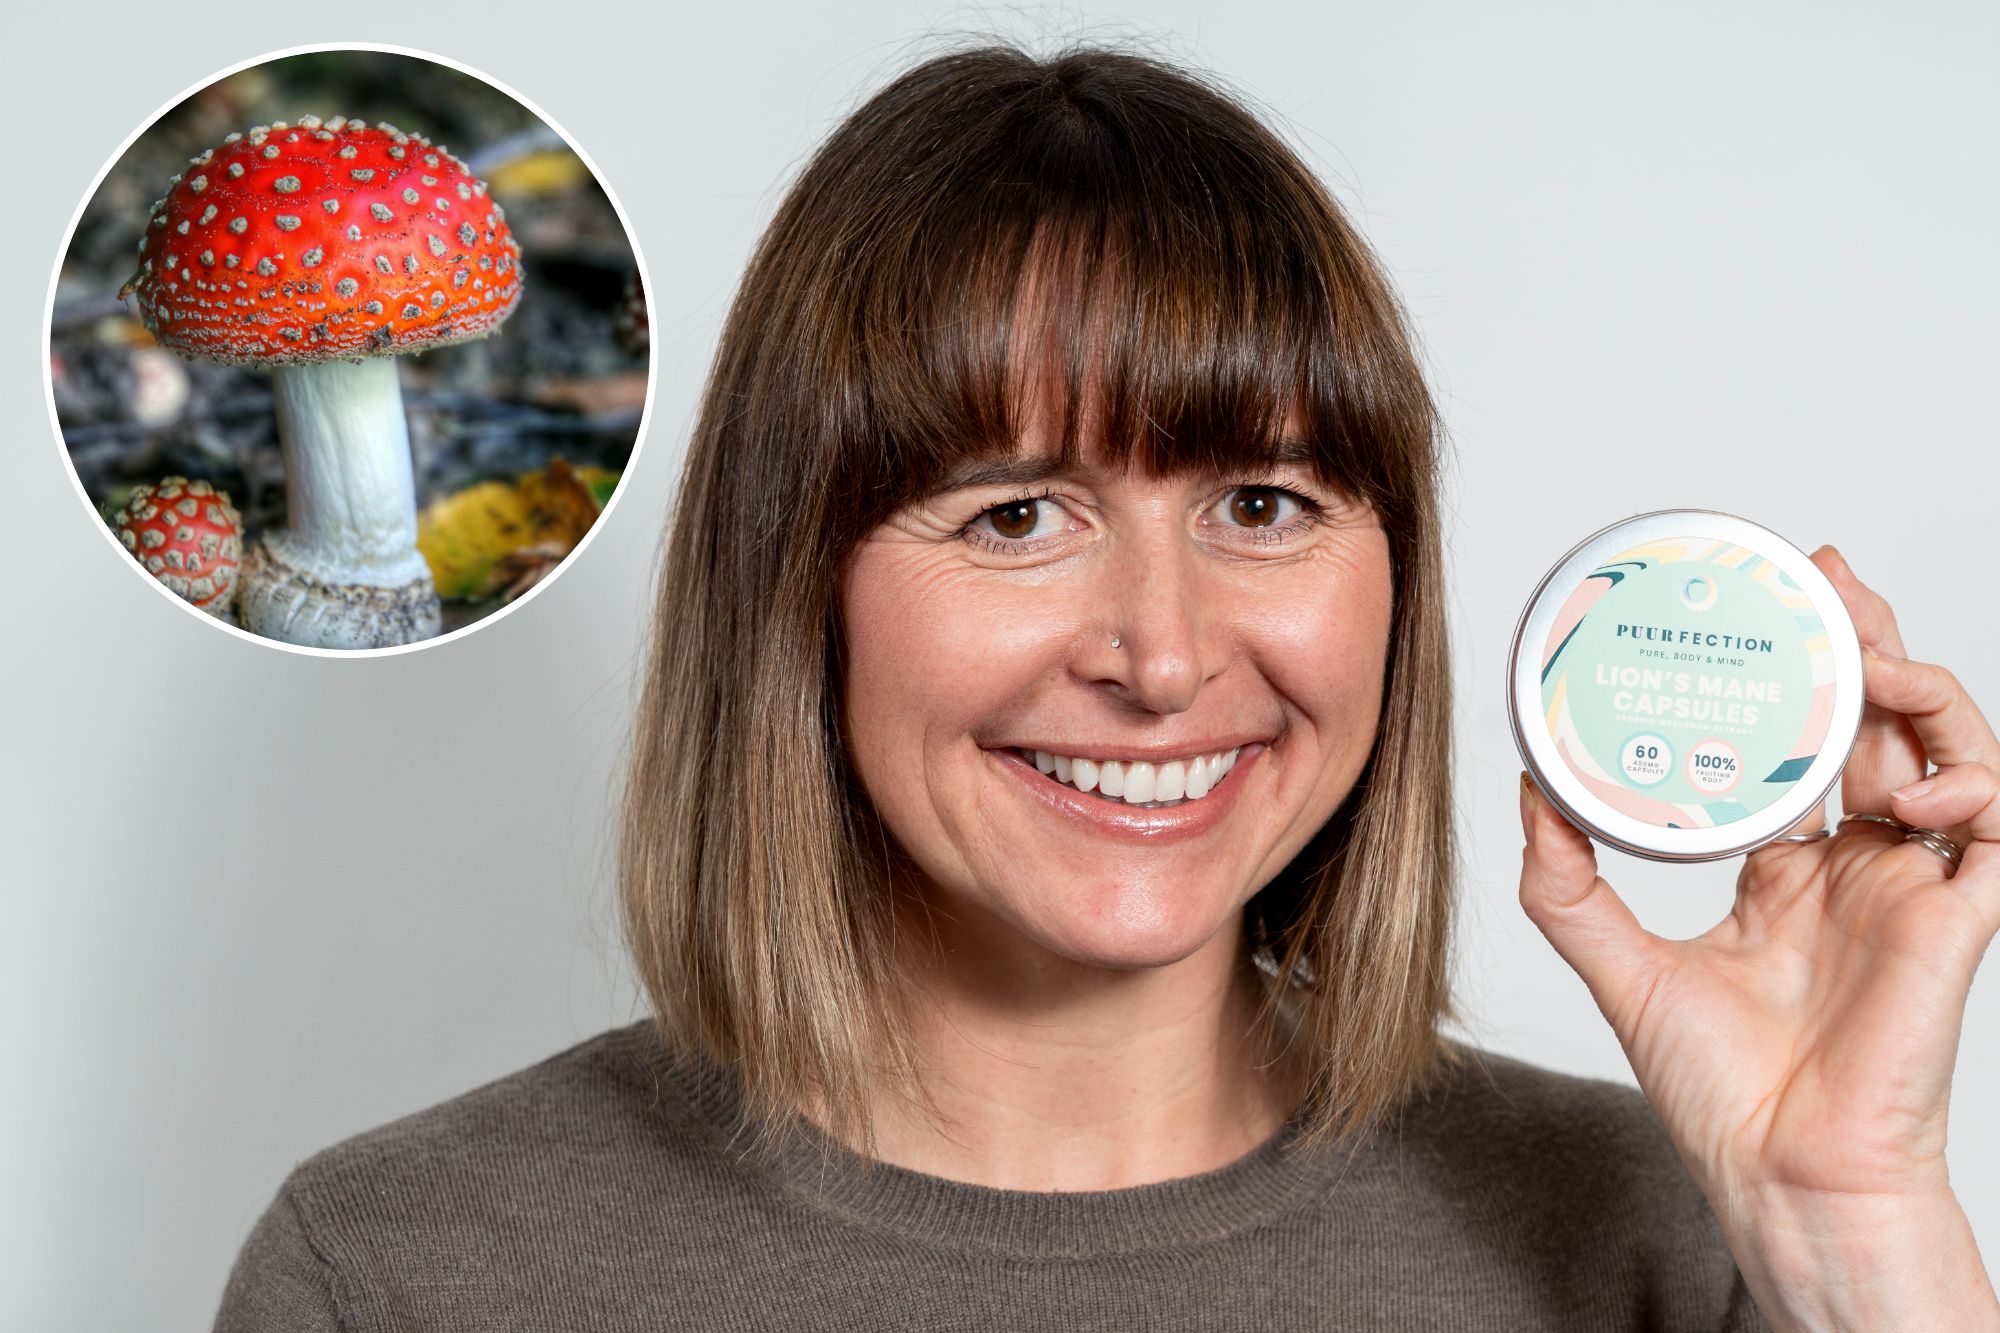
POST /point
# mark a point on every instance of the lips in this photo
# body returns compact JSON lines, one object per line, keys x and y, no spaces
{"x":1117,"y":819}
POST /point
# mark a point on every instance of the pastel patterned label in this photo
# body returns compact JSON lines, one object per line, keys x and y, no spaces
{"x":1688,"y":682}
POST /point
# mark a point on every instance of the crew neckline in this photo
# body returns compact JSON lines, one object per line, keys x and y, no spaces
{"x":823,"y":1174}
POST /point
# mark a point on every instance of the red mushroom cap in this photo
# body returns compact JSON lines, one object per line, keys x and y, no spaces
{"x":324,"y":240}
{"x":188,"y":536}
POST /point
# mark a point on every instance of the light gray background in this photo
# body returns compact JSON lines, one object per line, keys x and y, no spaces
{"x":1720,"y":255}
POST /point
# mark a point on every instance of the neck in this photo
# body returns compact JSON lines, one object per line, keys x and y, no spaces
{"x":1054,"y":1075}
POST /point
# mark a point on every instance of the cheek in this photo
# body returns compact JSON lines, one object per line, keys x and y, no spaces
{"x":930,"y":652}
{"x":1323,"y":638}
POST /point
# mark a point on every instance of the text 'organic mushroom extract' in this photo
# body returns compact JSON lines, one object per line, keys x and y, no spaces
{"x":1685,"y":685}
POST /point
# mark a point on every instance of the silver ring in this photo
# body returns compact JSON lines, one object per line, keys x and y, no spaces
{"x":1939,"y":843}
{"x":1890,"y":820}
{"x":1814,"y":836}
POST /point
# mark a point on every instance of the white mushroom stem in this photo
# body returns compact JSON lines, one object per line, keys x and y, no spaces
{"x":345,"y":571}
{"x":350,"y":499}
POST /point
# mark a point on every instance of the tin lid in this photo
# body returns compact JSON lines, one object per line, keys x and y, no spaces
{"x":1685,"y":685}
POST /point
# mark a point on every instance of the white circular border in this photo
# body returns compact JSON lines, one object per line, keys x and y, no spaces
{"x":48,"y":338}
{"x":1620,"y":830}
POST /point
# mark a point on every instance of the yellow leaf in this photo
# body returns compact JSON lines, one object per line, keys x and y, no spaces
{"x":467,"y":537}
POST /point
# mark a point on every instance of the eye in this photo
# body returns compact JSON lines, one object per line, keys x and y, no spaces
{"x":1262,"y":506}
{"x":1018,"y":520}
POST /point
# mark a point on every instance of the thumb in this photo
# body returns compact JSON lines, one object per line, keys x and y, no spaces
{"x":1583,"y":916}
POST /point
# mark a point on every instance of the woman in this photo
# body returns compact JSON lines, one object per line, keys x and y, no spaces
{"x":1039,"y":855}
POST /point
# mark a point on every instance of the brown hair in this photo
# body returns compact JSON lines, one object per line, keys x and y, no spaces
{"x":1188,"y":265}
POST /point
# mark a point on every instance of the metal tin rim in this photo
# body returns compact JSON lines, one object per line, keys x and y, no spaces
{"x":1634,"y":836}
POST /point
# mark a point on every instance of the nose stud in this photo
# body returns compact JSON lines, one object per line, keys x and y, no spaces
{"x":1114,"y":641}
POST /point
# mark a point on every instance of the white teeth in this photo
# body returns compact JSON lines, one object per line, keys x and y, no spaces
{"x":1137,"y":782}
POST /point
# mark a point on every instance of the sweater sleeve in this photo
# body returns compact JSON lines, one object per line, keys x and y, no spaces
{"x":280,"y":1280}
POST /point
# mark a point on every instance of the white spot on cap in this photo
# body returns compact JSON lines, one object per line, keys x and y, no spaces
{"x":286,"y":222}
{"x":383,"y":265}
{"x":363,"y":174}
{"x":286,"y":184}
{"x":312,"y":257}
{"x":412,"y":311}
{"x":381,"y":213}
{"x":239,"y":225}
{"x":235,"y":170}
{"x":198,"y":184}
{"x":410,"y":196}
{"x":437,"y":245}
{"x":330,"y":205}
{"x":265,"y":268}
{"x":466,"y":234}
{"x":270,"y":150}
{"x":347,"y":287}
{"x":208,"y":215}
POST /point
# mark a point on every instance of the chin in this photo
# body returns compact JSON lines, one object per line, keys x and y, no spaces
{"x":1128,"y":927}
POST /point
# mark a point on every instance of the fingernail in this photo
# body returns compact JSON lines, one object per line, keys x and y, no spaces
{"x":1529,"y":800}
{"x":1914,"y":790}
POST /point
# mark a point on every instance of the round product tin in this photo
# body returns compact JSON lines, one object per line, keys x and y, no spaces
{"x":1684,"y":685}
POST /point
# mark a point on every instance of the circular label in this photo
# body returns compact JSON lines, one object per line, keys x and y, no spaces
{"x":1646,"y":759}
{"x":1687,"y":682}
{"x":1714,"y":767}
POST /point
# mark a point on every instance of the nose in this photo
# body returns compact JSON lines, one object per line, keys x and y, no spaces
{"x":1170,"y":620}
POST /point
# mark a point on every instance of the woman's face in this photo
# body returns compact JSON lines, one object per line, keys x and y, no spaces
{"x":980,"y":625}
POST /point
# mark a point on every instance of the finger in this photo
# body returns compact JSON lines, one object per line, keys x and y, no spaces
{"x":1963,"y":800}
{"x":1948,"y":724}
{"x":1874,"y":619}
{"x":1583,"y":917}
{"x":1887,"y":752}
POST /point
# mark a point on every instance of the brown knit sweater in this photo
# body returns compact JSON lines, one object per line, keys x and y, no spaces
{"x":595,"y":1191}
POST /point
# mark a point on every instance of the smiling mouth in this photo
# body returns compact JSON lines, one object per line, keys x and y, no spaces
{"x":1118,"y":783}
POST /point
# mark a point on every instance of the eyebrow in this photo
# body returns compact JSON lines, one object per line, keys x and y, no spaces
{"x":1016,"y":471}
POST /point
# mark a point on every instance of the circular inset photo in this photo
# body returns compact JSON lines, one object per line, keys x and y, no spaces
{"x":348,"y":350}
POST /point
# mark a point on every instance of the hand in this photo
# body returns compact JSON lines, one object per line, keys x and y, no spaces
{"x":1803,"y":1047}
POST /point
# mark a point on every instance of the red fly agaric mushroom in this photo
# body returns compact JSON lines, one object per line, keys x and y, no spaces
{"x":323,"y":250}
{"x":188,"y":536}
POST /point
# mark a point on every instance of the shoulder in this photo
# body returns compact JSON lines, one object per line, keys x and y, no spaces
{"x":1571,"y":1172}
{"x":600,"y":1101}
{"x":583,"y":1142}
{"x":1533,"y":1137}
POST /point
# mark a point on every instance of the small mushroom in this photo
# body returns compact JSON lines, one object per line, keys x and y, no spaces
{"x":187,"y":535}
{"x":323,"y":250}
